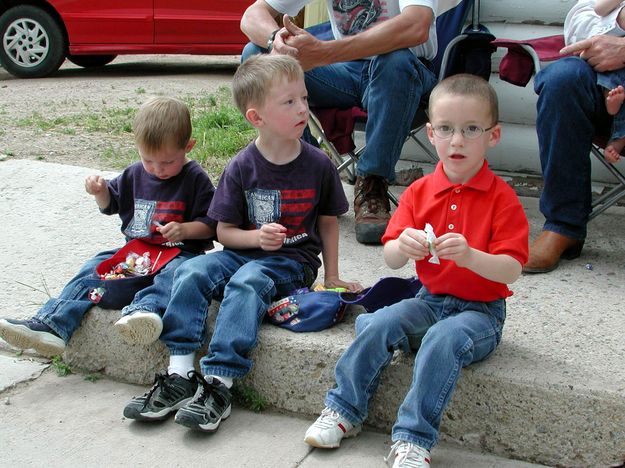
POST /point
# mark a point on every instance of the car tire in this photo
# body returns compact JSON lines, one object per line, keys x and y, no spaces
{"x":27,"y":28}
{"x":90,"y":61}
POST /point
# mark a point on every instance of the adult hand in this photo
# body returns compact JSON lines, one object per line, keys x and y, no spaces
{"x":308,"y":49}
{"x":603,"y":53}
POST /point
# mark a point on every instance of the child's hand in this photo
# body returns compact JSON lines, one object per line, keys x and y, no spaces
{"x":95,"y":185}
{"x":173,"y":231}
{"x":271,"y":236}
{"x":413,"y":244}
{"x":453,"y":246}
{"x":332,"y":282}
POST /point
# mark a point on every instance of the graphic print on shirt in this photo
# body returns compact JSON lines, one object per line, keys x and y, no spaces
{"x":354,"y":16}
{"x":286,"y":207}
{"x":148,"y":215}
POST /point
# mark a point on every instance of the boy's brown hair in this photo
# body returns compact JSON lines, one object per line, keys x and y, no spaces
{"x":254,"y":77}
{"x":465,"y":84}
{"x":162,"y":121}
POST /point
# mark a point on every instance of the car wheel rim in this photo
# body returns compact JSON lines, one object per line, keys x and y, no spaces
{"x":26,"y":43}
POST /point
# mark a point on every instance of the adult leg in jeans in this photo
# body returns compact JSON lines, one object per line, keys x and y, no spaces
{"x":389,"y":87}
{"x":570,"y":104}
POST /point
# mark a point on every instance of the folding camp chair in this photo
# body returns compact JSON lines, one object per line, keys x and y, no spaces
{"x":459,"y":50}
{"x":524,"y":59}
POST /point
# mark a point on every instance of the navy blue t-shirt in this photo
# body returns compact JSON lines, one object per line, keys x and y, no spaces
{"x":253,"y":191}
{"x":144,"y":201}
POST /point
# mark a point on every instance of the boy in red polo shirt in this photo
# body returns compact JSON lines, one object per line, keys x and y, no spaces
{"x":459,"y":313}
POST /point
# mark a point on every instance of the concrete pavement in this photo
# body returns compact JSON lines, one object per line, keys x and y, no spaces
{"x":553,"y":393}
{"x":69,"y":421}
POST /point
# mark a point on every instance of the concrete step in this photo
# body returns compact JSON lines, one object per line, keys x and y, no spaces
{"x":553,"y":393}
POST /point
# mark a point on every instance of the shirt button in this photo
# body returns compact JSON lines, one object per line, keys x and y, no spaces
{"x":453,"y":207}
{"x":457,"y":190}
{"x":450,"y":226}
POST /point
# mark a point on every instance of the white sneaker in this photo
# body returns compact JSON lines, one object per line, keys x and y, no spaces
{"x":406,"y":455}
{"x":328,"y":430}
{"x":140,"y":327}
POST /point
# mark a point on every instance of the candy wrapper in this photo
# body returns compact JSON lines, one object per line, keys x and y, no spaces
{"x":134,"y":265}
{"x":431,"y":237}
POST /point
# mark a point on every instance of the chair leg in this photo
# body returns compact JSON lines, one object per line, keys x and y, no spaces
{"x":606,"y":200}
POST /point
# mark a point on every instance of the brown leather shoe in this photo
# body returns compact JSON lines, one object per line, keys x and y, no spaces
{"x":372,"y":209}
{"x":547,"y":250}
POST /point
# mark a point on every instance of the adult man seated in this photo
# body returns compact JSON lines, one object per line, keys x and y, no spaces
{"x":378,"y":60}
{"x":571,"y":107}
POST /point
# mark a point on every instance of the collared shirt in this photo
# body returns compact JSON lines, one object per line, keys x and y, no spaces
{"x":485,"y":210}
{"x":582,"y":22}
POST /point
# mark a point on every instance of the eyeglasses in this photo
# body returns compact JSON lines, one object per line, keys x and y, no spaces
{"x":470,"y":132}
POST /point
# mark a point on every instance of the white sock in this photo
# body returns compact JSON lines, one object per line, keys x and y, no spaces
{"x":227,"y":381}
{"x":181,"y":364}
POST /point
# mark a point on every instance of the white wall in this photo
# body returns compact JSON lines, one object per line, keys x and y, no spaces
{"x":517,"y":19}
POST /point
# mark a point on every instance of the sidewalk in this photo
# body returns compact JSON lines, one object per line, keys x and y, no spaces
{"x":553,"y":392}
{"x":70,"y":422}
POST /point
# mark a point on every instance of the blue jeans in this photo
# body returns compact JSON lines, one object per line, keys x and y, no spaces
{"x":453,"y":333}
{"x":247,"y":286}
{"x":388,"y":86}
{"x":570,"y":110}
{"x":64,"y":314}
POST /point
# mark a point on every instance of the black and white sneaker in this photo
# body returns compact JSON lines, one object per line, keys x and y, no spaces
{"x":211,"y":405}
{"x":168,"y":394}
{"x":32,"y":334}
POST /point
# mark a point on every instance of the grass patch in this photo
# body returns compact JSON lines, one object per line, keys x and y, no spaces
{"x":62,"y":369}
{"x":219,"y":128}
{"x":249,"y":398}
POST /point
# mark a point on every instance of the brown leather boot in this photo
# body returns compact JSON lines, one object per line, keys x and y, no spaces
{"x":372,"y":208}
{"x":547,"y":250}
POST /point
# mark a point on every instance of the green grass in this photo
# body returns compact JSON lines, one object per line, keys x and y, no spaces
{"x":62,"y":369}
{"x":219,"y":128}
{"x":249,"y":398}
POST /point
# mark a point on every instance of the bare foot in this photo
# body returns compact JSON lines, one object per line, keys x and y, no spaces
{"x":614,"y":99}
{"x":612,"y":152}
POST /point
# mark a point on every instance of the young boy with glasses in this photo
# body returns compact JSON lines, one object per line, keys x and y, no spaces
{"x":459,"y":312}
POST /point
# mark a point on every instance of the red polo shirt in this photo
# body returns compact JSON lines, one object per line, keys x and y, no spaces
{"x":485,"y":210}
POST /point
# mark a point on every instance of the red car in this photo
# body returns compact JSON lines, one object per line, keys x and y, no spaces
{"x":39,"y":35}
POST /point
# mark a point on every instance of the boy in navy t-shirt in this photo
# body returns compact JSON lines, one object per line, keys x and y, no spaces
{"x":162,"y":200}
{"x":276,"y":206}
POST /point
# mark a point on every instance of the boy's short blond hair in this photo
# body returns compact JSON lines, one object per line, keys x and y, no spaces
{"x":464,"y":84}
{"x":254,"y":77}
{"x":162,"y":121}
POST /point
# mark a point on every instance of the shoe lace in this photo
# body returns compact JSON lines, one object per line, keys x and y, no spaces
{"x":328,"y":418}
{"x":208,"y":390}
{"x":408,"y":455}
{"x":160,"y":381}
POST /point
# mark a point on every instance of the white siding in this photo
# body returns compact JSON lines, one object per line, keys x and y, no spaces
{"x":514,"y":19}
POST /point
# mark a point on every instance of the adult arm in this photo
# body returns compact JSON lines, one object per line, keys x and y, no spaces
{"x":408,"y":29}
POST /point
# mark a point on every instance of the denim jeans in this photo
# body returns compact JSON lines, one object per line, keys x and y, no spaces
{"x":453,"y":333}
{"x":570,"y":109}
{"x":64,"y":313}
{"x":388,"y":86}
{"x":247,"y":286}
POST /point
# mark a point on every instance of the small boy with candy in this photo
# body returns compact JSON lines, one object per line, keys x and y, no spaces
{"x":162,"y":200}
